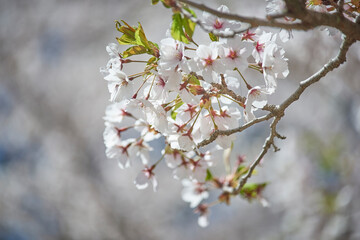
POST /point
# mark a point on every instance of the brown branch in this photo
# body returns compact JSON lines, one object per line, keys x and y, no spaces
{"x":217,"y":133}
{"x":267,"y":145}
{"x":253,"y":22}
{"x":228,"y":34}
{"x":309,"y":19}
{"x":224,"y":90}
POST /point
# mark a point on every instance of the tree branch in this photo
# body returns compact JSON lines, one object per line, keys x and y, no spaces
{"x":309,"y":19}
{"x":267,"y":145}
{"x":217,"y":133}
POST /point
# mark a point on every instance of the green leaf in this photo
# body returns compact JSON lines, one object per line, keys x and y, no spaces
{"x":128,"y":37}
{"x":154,"y":49}
{"x":126,"y":40}
{"x":241,"y":170}
{"x":135,"y":50}
{"x":182,"y":28}
{"x":141,"y":38}
{"x":151,"y":60}
{"x":190,"y":11}
{"x":173,"y":115}
{"x":252,"y":190}
{"x":193,"y":80}
{"x":153,"y":2}
{"x":177,"y":105}
{"x":177,"y":31}
{"x":189,"y":26}
{"x":213,"y":37}
{"x":209,"y":176}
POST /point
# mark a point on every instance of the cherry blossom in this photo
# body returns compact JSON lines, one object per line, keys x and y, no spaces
{"x":261,"y":39}
{"x":256,"y":98}
{"x":208,"y":62}
{"x":119,"y":85}
{"x":172,"y":55}
{"x":203,"y":210}
{"x":193,"y":192}
{"x":234,"y":53}
{"x":145,"y":178}
{"x":183,"y":97}
{"x":274,"y":66}
{"x":219,"y":25}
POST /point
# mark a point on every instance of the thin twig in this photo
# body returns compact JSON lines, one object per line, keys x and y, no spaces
{"x":217,"y":133}
{"x":267,"y":145}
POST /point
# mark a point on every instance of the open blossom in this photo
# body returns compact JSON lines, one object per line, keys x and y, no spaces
{"x":256,"y":99}
{"x":174,"y":158}
{"x":207,"y":61}
{"x":120,"y":152}
{"x":115,"y":61}
{"x":119,"y":85}
{"x":193,"y":192}
{"x":141,"y":149}
{"x":116,"y":112}
{"x":203,"y":210}
{"x":172,"y":55}
{"x":234,"y":54}
{"x":274,"y":66}
{"x":261,"y":40}
{"x":227,"y":118}
{"x":145,"y":178}
{"x":219,"y":25}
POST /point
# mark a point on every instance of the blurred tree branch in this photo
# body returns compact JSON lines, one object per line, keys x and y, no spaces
{"x":295,"y":9}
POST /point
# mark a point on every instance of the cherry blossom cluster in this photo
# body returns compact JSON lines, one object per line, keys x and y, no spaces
{"x":185,"y":93}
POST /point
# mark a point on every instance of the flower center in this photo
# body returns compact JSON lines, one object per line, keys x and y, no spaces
{"x":208,"y":61}
{"x":259,"y":47}
{"x":232,"y":54}
{"x":218,"y":24}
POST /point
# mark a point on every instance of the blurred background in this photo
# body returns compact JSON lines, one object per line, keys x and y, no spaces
{"x":56,"y":183}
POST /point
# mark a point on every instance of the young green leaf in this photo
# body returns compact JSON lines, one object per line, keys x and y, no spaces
{"x":141,"y":38}
{"x":182,"y":28}
{"x":252,"y":190}
{"x":213,"y":37}
{"x":209,"y":176}
{"x":173,"y":115}
{"x":189,"y":26}
{"x":135,"y":50}
{"x":177,"y":31}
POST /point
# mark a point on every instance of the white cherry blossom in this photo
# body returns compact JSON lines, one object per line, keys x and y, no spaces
{"x":208,"y":62}
{"x":119,"y":85}
{"x":193,"y":192}
{"x":234,"y":53}
{"x":172,"y":55}
{"x":256,"y":99}
{"x":219,"y":25}
{"x":145,"y":178}
{"x":274,"y":66}
{"x":120,"y":152}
